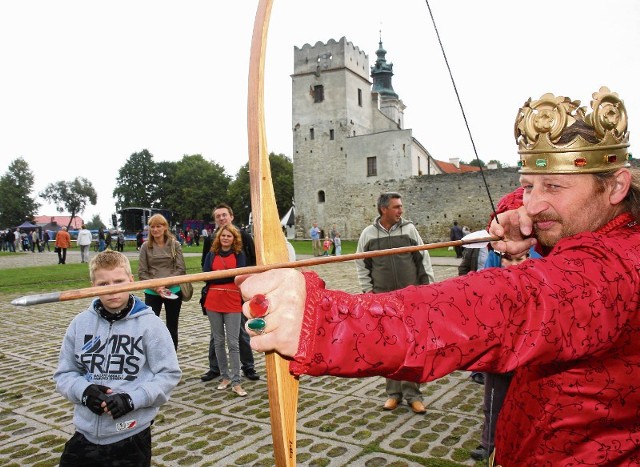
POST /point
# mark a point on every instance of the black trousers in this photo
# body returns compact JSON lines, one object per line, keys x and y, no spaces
{"x":171,"y":309}
{"x":496,"y":386}
{"x":62,"y":256}
{"x":134,"y":451}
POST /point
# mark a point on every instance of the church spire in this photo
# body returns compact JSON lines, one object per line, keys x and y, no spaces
{"x":381,"y":73}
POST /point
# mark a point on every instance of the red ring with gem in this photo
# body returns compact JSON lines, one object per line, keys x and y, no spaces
{"x":259,"y":306}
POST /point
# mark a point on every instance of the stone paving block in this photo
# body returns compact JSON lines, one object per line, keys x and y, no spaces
{"x":433,"y":435}
{"x":340,"y":421}
{"x":210,"y":439}
{"x":52,"y":409}
{"x":43,"y":448}
{"x":335,"y":385}
{"x":23,"y":381}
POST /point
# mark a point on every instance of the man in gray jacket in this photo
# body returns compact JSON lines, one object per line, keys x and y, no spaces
{"x":393,"y":272}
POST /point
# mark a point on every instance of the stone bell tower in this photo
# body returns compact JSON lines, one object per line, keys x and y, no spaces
{"x":348,"y":132}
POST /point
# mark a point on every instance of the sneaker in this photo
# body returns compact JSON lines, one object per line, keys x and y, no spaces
{"x":209,"y":375}
{"x":251,"y":374}
{"x":480,"y":453}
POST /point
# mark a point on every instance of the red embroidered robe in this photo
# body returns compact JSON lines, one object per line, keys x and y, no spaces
{"x":568,"y":324}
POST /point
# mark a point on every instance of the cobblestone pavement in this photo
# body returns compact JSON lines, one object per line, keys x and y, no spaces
{"x":340,"y":421}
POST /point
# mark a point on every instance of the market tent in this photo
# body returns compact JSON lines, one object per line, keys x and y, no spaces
{"x":27,"y":225}
{"x":288,"y":223}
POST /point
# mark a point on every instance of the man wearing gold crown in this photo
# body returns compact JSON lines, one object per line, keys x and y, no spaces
{"x":568,"y":325}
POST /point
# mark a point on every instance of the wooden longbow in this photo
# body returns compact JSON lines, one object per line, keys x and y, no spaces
{"x":269,"y":241}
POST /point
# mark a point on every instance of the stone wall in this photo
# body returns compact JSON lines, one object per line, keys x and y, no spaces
{"x":431,"y":202}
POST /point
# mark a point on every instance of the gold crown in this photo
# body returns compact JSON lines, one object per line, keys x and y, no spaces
{"x":540,"y":125}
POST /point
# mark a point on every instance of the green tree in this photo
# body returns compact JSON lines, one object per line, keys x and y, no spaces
{"x":239,"y":196}
{"x":138,"y":182}
{"x":498,"y":163}
{"x":477,"y":163}
{"x":95,"y":223}
{"x":71,"y":197}
{"x":16,"y":203}
{"x":194,"y":187}
{"x":282,"y":175}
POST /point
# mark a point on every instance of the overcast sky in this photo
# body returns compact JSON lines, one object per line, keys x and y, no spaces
{"x":84,"y":84}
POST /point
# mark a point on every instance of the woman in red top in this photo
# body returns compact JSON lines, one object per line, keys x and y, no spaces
{"x":223,"y":303}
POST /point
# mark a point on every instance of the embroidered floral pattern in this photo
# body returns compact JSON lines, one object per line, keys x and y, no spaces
{"x":568,"y":324}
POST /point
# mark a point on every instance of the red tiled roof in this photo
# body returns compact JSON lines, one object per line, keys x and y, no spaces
{"x":449,"y":168}
{"x":60,"y":220}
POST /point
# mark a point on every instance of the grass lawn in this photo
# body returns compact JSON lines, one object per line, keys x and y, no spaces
{"x":41,"y":279}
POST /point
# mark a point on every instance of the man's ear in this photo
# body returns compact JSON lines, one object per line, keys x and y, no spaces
{"x":620,"y":187}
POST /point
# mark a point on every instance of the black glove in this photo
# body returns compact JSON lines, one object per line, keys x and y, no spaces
{"x":94,"y":396}
{"x":119,"y":405}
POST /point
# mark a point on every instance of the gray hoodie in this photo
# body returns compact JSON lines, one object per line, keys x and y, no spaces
{"x":134,"y":355}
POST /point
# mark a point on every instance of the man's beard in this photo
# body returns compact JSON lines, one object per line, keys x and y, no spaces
{"x":593,"y":219}
{"x":549,"y":237}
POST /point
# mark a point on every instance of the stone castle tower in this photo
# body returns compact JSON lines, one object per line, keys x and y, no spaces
{"x":348,"y":133}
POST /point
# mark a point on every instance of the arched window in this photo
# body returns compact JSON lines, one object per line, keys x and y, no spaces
{"x":321,"y":196}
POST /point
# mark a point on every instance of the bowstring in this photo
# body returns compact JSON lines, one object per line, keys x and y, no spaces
{"x":486,"y":185}
{"x":464,"y":116}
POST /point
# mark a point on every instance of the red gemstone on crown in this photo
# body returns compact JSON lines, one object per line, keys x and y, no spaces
{"x":259,"y":306}
{"x":580,"y":162}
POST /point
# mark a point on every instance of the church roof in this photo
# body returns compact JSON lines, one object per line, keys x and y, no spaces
{"x":449,"y":168}
{"x":60,"y":220}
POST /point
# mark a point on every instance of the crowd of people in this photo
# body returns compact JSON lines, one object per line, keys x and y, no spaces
{"x":323,"y":244}
{"x":21,"y":240}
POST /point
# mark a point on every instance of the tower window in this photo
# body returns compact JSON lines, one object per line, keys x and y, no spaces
{"x":360,"y":97}
{"x":318,"y":93}
{"x":372,"y":167}
{"x":321,"y":197}
{"x":331,"y":135}
{"x":312,"y":134}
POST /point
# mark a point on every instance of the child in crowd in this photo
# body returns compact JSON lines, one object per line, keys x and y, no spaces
{"x":337,"y":242}
{"x":326,"y":246}
{"x":117,"y":366}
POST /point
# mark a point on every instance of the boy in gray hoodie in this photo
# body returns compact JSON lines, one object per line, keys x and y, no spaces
{"x":118,"y":365}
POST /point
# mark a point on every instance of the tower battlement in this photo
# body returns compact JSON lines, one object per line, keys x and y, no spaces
{"x":330,"y":56}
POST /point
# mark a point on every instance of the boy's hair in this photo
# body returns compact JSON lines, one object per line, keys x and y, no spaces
{"x":108,"y":259}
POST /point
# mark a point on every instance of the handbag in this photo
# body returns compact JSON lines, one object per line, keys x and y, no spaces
{"x":187,"y":291}
{"x":203,"y":298}
{"x":186,"y":288}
